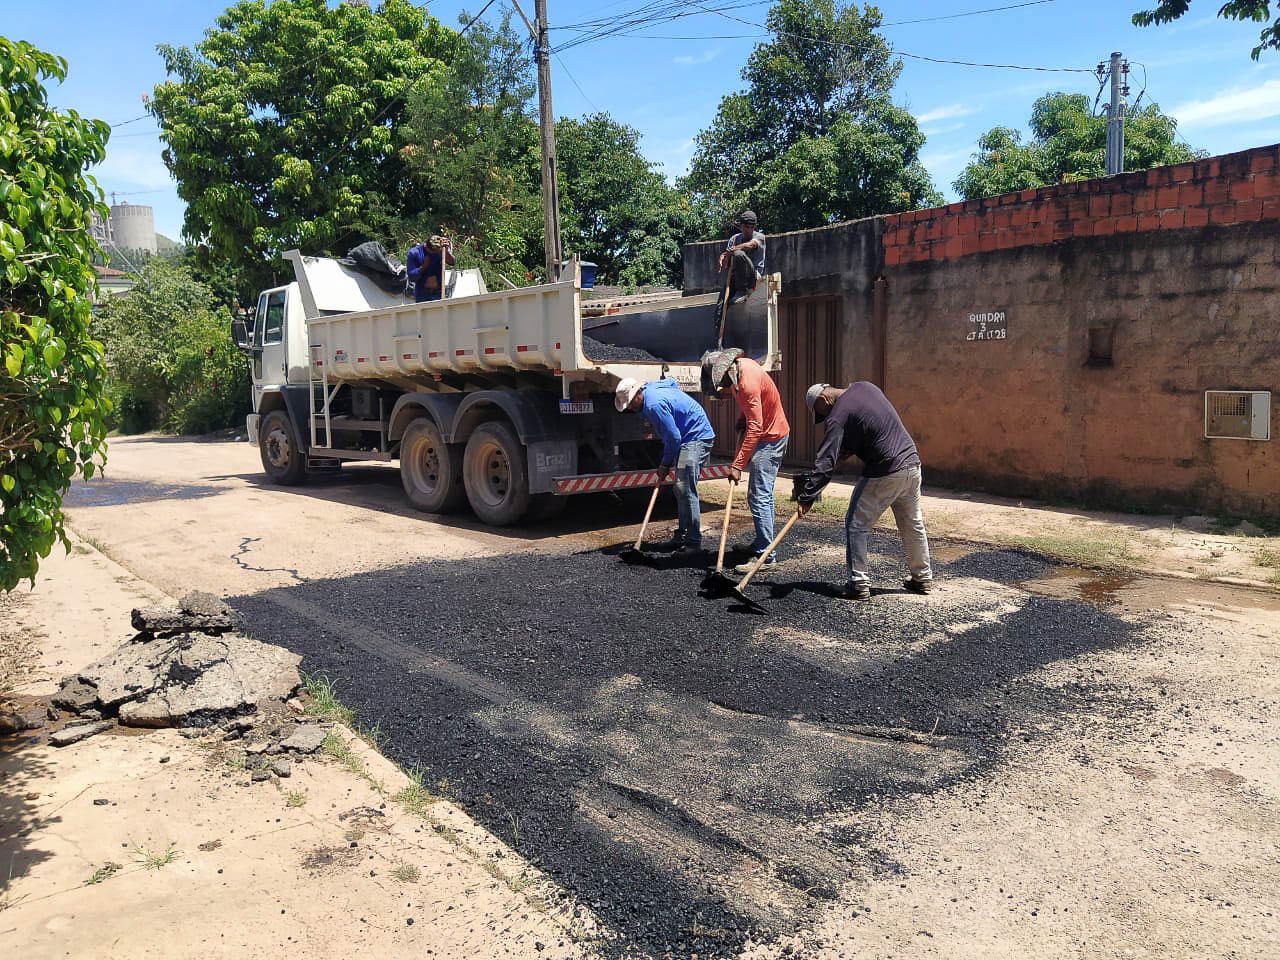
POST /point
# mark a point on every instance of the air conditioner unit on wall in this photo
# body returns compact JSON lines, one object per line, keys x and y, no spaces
{"x":1237,"y":414}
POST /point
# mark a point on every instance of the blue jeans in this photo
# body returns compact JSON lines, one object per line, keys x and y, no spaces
{"x":693,"y":455}
{"x":764,"y":466}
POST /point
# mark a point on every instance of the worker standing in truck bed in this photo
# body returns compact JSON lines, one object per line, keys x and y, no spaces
{"x":425,"y":268}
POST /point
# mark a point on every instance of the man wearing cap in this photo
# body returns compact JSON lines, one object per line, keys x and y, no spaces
{"x":764,"y":439}
{"x":860,"y":421}
{"x":745,"y":254}
{"x":682,"y":426}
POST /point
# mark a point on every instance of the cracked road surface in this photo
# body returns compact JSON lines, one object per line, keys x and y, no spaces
{"x":1000,"y":768}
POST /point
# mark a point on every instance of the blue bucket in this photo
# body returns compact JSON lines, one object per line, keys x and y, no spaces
{"x":588,"y":274}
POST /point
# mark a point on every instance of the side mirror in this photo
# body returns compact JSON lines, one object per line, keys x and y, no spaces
{"x":240,"y":334}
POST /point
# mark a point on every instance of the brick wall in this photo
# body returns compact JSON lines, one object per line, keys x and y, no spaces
{"x":1236,"y":188}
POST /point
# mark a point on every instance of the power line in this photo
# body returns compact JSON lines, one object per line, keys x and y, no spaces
{"x":970,"y":13}
{"x":575,"y":82}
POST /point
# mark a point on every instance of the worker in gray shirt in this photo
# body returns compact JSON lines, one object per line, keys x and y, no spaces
{"x":744,"y":254}
{"x":860,"y":421}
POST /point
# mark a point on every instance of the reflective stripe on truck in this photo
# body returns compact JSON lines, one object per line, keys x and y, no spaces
{"x":627,"y":480}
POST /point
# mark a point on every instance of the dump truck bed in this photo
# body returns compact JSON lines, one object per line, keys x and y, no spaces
{"x":358,"y":332}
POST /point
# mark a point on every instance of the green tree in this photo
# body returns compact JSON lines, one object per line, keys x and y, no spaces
{"x":470,"y":140}
{"x":279,"y":125}
{"x":1068,"y":143}
{"x":171,"y":361}
{"x":815,"y":137}
{"x":617,"y":210}
{"x":52,"y":406}
{"x":1258,"y":11}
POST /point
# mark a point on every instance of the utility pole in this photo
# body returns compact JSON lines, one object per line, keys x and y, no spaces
{"x":547,"y":126}
{"x":1119,"y":71}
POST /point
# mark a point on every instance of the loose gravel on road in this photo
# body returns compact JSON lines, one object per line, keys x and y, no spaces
{"x":687,"y":769}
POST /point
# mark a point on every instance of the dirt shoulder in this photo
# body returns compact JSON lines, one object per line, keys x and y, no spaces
{"x":139,"y":843}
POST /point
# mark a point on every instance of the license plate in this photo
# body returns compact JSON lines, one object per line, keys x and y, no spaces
{"x":576,"y":406}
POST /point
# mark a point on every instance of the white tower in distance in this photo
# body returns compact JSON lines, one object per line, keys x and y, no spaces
{"x":133,"y":226}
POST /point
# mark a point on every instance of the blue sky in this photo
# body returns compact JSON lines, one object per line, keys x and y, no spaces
{"x":1198,"y":70}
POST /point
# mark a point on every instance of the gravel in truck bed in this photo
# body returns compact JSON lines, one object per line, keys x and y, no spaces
{"x":608,"y":353}
{"x":698,"y":776}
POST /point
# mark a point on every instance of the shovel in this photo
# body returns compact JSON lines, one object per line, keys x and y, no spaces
{"x":755,"y":567}
{"x":716,"y":582}
{"x":724,"y":308}
{"x":634,"y":555}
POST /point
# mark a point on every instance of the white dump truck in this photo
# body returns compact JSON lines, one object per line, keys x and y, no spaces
{"x":504,"y":399}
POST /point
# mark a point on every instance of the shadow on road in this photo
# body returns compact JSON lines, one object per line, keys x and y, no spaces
{"x":700,"y":778}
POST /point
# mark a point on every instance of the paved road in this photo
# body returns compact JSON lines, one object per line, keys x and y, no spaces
{"x":998,"y":769}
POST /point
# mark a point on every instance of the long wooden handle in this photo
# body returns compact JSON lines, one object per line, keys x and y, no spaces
{"x":724,"y":308}
{"x":724,"y":529}
{"x":767,"y":551}
{"x":647,"y":514}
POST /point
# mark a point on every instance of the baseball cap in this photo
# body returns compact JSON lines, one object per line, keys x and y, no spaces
{"x":748,"y":216}
{"x":626,"y":392}
{"x":811,"y":398}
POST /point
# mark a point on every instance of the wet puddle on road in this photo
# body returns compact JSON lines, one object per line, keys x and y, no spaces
{"x":1136,"y":594}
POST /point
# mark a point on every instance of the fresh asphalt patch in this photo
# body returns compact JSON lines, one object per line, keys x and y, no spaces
{"x":699,"y":777}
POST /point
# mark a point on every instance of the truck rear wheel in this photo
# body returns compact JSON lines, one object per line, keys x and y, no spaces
{"x":282,"y":456}
{"x":496,"y":475}
{"x":430,"y":469}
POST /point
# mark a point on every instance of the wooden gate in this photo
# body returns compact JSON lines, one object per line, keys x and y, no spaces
{"x":809,"y":332}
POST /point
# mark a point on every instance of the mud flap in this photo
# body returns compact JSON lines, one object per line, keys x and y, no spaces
{"x":549,"y":459}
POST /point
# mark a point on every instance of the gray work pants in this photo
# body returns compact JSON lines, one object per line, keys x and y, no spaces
{"x":743,"y":272}
{"x":899,"y":492}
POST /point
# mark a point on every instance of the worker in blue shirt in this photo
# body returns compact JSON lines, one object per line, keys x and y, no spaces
{"x":425,"y":268}
{"x":682,"y":426}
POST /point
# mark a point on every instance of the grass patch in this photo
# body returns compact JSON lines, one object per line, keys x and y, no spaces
{"x":338,"y":748}
{"x":417,"y":798}
{"x":295,"y":798}
{"x":1094,"y":552}
{"x":102,"y":873}
{"x":154,"y":860}
{"x":323,"y":701}
{"x":406,"y":873}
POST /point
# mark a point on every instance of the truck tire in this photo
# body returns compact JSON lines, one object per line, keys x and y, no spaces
{"x":283,"y":459}
{"x":496,"y":475}
{"x":430,"y":469}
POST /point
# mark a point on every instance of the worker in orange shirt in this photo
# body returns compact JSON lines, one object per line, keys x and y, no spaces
{"x":764,"y":441}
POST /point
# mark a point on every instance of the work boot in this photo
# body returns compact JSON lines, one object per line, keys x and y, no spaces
{"x":669,"y":546}
{"x":745,"y":568}
{"x":917,"y":586}
{"x":855,"y":591}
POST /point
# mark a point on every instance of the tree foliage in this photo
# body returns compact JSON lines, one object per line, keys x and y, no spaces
{"x":815,"y":137}
{"x":172,"y":364}
{"x":52,"y":406}
{"x":617,"y":210}
{"x":469,"y":138}
{"x":1068,"y":143}
{"x":1259,"y":11}
{"x":279,"y":125}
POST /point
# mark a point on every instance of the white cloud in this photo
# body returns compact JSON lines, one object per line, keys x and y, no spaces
{"x":945,"y":113}
{"x":1246,"y":104}
{"x":947,"y":160}
{"x":705,"y":57}
{"x":939,"y":131}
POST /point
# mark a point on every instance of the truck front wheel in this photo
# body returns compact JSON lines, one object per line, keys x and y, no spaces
{"x":430,"y":469}
{"x":282,"y":455}
{"x":495,"y":474}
